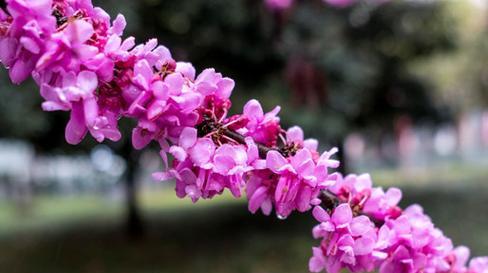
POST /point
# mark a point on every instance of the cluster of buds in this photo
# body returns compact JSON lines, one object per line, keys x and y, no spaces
{"x":81,"y":63}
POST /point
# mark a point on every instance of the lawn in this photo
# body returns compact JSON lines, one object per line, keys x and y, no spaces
{"x":85,"y":234}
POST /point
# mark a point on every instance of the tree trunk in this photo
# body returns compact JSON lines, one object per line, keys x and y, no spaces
{"x":134,"y":222}
{"x":341,"y":156}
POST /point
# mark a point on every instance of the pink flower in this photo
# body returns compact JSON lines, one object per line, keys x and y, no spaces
{"x":144,"y":81}
{"x":478,"y":265}
{"x":213,"y":169}
{"x":200,"y":150}
{"x":297,"y":184}
{"x":318,"y":261}
{"x":259,"y":190}
{"x":457,"y":260}
{"x":415,"y":245}
{"x":23,"y":43}
{"x":348,"y":242}
{"x":279,"y":4}
{"x":400,"y":261}
{"x":295,"y":136}
{"x":210,"y":82}
{"x":263,"y":128}
{"x":382,"y":205}
{"x":81,"y":63}
{"x":79,"y":93}
{"x":69,"y":48}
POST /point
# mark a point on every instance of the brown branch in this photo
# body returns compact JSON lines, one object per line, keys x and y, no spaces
{"x":329,"y":200}
{"x":263,"y":150}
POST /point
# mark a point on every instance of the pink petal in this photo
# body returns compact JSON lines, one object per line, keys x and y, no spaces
{"x":462,"y":255}
{"x":175,"y":83}
{"x":8,"y":46}
{"x":311,"y":144}
{"x":202,"y":152}
{"x":316,"y":263}
{"x":87,"y":81}
{"x":303,"y":199}
{"x":267,"y":206}
{"x":186,"y":69}
{"x":160,"y":90}
{"x":113,"y":44}
{"x":30,"y":45}
{"x":188,"y":137}
{"x":76,"y":128}
{"x":188,"y":102}
{"x":257,"y":199}
{"x":300,"y":157}
{"x":80,"y":31}
{"x":141,"y":137}
{"x":118,"y":25}
{"x":363,"y":182}
{"x":364,"y":246}
{"x":360,"y":225}
{"x":162,"y":176}
{"x":178,"y":152}
{"x":281,"y":189}
{"x":156,"y":109}
{"x":393,"y":196}
{"x":90,"y":108}
{"x":223,"y":164}
{"x":294,"y":134}
{"x":253,"y":110}
{"x":143,"y":68}
{"x":225,"y":87}
{"x":342,"y":215}
{"x":275,"y":161}
{"x":86,"y":52}
{"x":21,"y":70}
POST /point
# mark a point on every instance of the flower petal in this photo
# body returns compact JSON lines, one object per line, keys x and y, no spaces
{"x":342,"y":215}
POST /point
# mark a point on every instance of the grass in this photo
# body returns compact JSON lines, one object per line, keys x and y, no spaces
{"x":61,"y":212}
{"x":208,"y":238}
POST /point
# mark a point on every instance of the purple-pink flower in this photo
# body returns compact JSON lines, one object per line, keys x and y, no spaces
{"x":81,"y":63}
{"x":348,"y":241}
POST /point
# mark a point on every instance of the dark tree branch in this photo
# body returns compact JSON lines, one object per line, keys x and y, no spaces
{"x":263,"y":150}
{"x":329,"y":199}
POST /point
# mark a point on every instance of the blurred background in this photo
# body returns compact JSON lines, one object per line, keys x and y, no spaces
{"x":401,"y":87}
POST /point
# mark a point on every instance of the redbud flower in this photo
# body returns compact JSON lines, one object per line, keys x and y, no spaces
{"x":81,"y":63}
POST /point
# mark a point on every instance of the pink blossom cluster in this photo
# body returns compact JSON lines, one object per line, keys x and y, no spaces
{"x":81,"y":63}
{"x":78,"y":57}
{"x":285,"y":4}
{"x":369,"y":232}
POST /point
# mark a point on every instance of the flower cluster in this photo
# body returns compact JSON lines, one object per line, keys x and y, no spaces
{"x":81,"y":63}
{"x":224,"y":153}
{"x":368,"y":231}
{"x":78,"y":57}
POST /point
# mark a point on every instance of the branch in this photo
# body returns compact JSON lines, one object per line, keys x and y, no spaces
{"x":263,"y":150}
{"x":329,"y":200}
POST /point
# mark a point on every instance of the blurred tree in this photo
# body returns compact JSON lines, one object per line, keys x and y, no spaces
{"x":460,"y":77}
{"x":21,"y":117}
{"x":343,"y":69}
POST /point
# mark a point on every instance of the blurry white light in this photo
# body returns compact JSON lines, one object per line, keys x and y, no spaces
{"x":445,"y":141}
{"x":102,"y":158}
